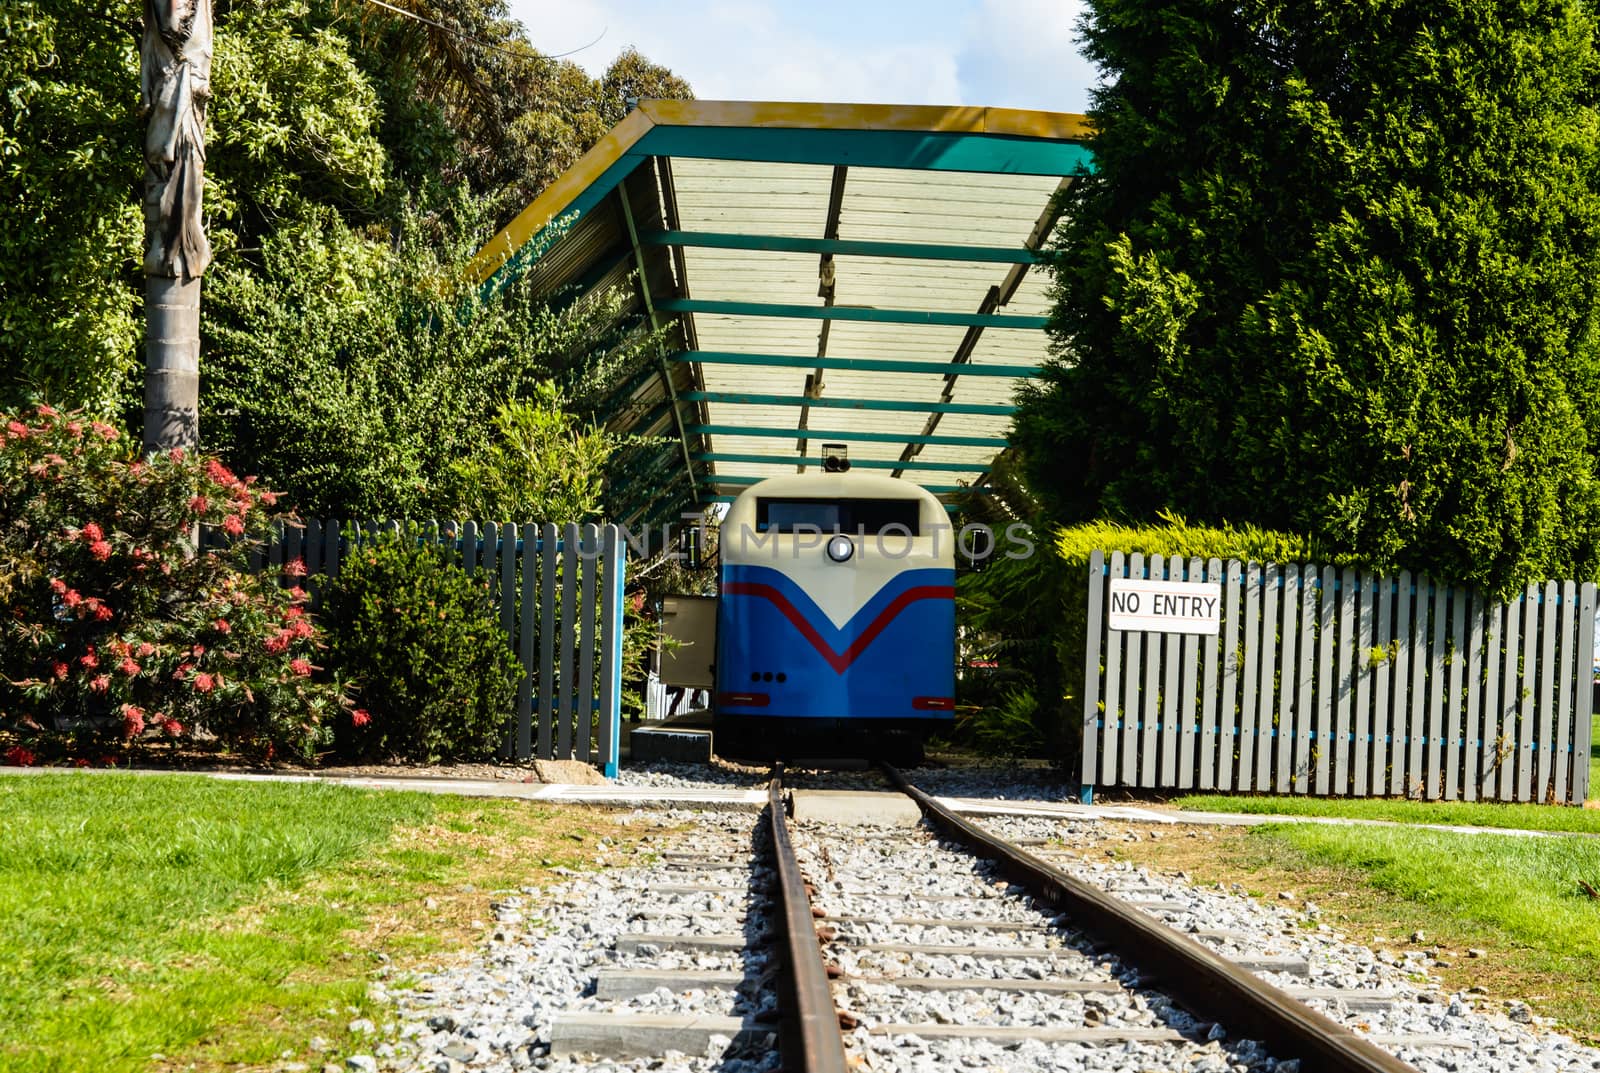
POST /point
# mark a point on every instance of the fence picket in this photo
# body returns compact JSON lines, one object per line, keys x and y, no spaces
{"x":1090,"y":755}
{"x":1582,"y":727}
{"x":1509,"y":702}
{"x":1171,"y":704}
{"x":567,"y":598}
{"x":1400,"y":657}
{"x":1187,"y":708}
{"x":529,"y":617}
{"x":1361,"y":717}
{"x":1382,"y":677}
{"x":1345,"y":644}
{"x":1544,"y":708}
{"x":1453,"y":698}
{"x":1245,"y":744}
{"x":1562,"y":756}
{"x":1207,"y":746}
{"x":1527,"y":687}
{"x":1230,"y":674}
{"x":549,"y":571}
{"x":1110,"y":773}
{"x":1261,"y":772}
{"x":1473,"y":770}
{"x":589,"y":560}
{"x":1305,"y":739}
{"x":609,"y":669}
{"x":1327,"y":603}
{"x":1131,"y":690}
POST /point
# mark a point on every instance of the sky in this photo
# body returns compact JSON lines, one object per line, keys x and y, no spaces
{"x":999,"y":53}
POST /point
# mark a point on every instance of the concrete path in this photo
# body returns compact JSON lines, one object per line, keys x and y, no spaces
{"x":753,"y":800}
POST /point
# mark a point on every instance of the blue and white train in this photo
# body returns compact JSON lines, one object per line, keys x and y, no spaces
{"x":836,"y":620}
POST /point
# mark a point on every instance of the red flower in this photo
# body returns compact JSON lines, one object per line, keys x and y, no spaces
{"x":58,"y":586}
{"x":302,"y":628}
{"x":197,"y":651}
{"x":278,"y":642}
{"x":71,"y":598}
{"x":92,"y":532}
{"x":199,"y":504}
{"x":218,"y":472}
{"x":176,"y":454}
{"x":233,"y":525}
{"x":88,"y":660}
{"x":300,"y":667}
{"x":100,"y":683}
{"x":104,"y":431}
{"x":292,"y":613}
{"x":269,"y":499}
{"x":132,"y":721}
{"x":173,"y":727}
{"x":20,"y":431}
{"x":222,"y":626}
{"x":203,"y":683}
{"x":46,"y":410}
{"x":146,"y":649}
{"x":75,"y":427}
{"x":295,"y":568}
{"x":17,"y":754}
{"x":360,"y":717}
{"x":298,"y":594}
{"x":102,"y":612}
{"x":128,"y":667}
{"x":108,"y":761}
{"x":182,"y":672}
{"x":59,"y":669}
{"x":101,"y":550}
{"x":82,"y":761}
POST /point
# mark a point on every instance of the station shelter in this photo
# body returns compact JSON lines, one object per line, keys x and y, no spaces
{"x":865,"y":275}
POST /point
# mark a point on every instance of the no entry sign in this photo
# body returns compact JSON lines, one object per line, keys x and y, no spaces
{"x":1166,"y":606}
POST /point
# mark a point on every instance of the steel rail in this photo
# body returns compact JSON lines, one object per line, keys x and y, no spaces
{"x":815,"y":1043}
{"x":1209,"y":985}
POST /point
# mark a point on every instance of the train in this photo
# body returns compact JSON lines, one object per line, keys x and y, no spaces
{"x":835,"y":619}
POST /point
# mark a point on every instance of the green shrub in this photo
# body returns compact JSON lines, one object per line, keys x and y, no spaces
{"x":115,"y":629}
{"x":433,"y":674}
{"x":1028,"y":616}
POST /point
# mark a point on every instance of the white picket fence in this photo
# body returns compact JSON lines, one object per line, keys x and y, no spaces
{"x":1343,"y":682}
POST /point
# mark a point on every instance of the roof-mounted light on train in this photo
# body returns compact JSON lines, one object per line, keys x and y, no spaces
{"x":835,"y":458}
{"x":840,"y":548}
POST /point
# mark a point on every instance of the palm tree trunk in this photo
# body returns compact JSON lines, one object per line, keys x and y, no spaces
{"x":175,"y":84}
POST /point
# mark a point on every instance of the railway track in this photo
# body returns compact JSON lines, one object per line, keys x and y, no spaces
{"x":936,"y":946}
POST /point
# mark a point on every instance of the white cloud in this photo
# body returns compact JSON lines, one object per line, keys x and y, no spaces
{"x":752,"y":49}
{"x":1024,"y":54}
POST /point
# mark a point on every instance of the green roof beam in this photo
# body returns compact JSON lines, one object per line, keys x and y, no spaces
{"x":855,"y":463}
{"x":720,"y":240}
{"x":849,"y":436}
{"x":914,"y":406}
{"x":936,"y":489}
{"x":851,"y":313}
{"x":862,"y":365}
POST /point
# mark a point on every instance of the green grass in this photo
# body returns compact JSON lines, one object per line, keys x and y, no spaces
{"x":120,"y":927}
{"x":1594,"y":760}
{"x":1453,"y":813}
{"x":1518,"y":895}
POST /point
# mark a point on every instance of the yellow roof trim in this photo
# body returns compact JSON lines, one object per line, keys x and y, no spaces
{"x":1061,"y":126}
{"x":549,"y":205}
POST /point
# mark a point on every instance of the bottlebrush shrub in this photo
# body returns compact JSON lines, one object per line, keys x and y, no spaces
{"x":433,"y":673}
{"x":114,"y":627}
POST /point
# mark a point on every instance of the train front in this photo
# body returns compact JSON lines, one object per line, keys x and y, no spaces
{"x":836,"y":621}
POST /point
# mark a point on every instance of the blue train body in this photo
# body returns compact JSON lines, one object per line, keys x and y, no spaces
{"x":836,"y":618}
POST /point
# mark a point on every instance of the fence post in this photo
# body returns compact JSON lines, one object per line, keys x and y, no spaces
{"x":612,"y":636}
{"x":1582,"y":727}
{"x":1091,"y":680}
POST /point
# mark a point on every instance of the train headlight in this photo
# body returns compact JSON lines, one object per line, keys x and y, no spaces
{"x":841,"y":548}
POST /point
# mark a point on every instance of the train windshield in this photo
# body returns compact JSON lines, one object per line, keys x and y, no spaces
{"x":869,"y":516}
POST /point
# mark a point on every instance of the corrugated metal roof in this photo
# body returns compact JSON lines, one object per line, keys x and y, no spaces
{"x":820,"y":273}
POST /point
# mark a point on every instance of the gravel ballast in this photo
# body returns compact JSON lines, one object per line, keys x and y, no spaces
{"x":495,"y":1009}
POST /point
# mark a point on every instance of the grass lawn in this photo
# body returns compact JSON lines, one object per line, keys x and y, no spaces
{"x":1454,"y":813}
{"x":1516,"y":898}
{"x":217,"y":923}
